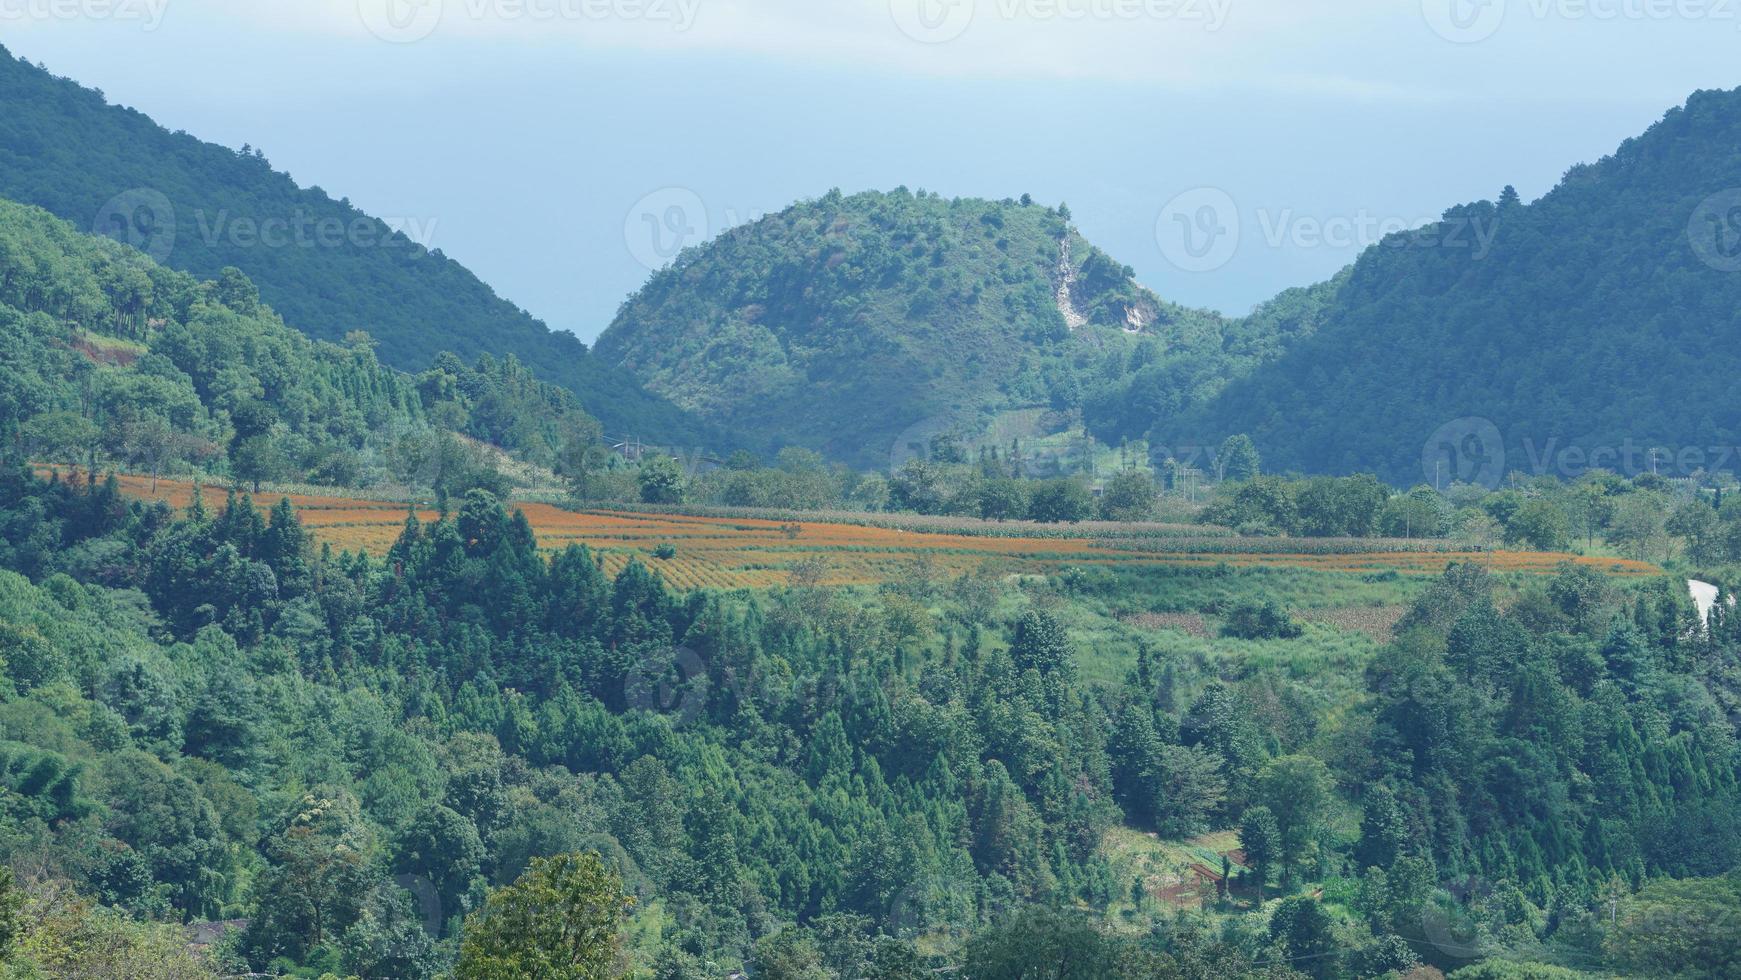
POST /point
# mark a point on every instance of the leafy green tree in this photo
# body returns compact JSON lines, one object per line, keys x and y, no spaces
{"x":1003,"y":499}
{"x":1340,"y":507}
{"x":1540,"y":524}
{"x":1703,"y":913}
{"x":236,"y":291}
{"x":1639,"y":525}
{"x":1259,"y":505}
{"x":918,"y":486}
{"x":150,"y":439}
{"x":165,"y":819}
{"x":318,"y":876}
{"x":1260,"y":619}
{"x":1220,"y":720}
{"x":1135,"y":753}
{"x":789,"y":955}
{"x":1306,"y":935}
{"x":1696,"y":522}
{"x":1237,"y":460}
{"x":259,"y":459}
{"x":1192,"y":790}
{"x":1059,"y":502}
{"x":661,"y":480}
{"x":444,"y":848}
{"x":1383,"y":828}
{"x":12,"y":923}
{"x":1416,"y":514}
{"x":561,"y":920}
{"x":1506,"y":970}
{"x":1260,"y":837}
{"x":1129,"y":496}
{"x":1385,"y":956}
{"x":61,"y":437}
{"x":1041,"y":644}
{"x":1065,"y":946}
{"x":1298,"y":790}
{"x":387,"y":942}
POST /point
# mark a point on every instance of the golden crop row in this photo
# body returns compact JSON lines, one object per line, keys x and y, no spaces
{"x":725,"y":553}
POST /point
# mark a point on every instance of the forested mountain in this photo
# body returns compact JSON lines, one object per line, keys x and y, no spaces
{"x":839,"y":322}
{"x":107,"y":357}
{"x":1602,"y":315}
{"x":326,"y":266}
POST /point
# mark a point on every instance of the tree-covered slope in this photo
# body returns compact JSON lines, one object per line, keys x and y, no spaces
{"x":1603,"y":315}
{"x":839,"y":322}
{"x":106,"y":356}
{"x":1156,"y":386}
{"x":326,"y":266}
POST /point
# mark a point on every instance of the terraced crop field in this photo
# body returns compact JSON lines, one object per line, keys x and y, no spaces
{"x":727,"y":552}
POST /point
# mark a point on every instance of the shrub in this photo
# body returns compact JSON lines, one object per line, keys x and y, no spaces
{"x":1260,"y":620}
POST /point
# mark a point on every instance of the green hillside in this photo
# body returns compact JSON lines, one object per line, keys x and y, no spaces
{"x":1602,"y":315}
{"x":106,"y":356}
{"x":840,"y":322}
{"x":194,"y":206}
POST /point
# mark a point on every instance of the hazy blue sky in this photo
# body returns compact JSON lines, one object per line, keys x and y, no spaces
{"x":541,"y":141}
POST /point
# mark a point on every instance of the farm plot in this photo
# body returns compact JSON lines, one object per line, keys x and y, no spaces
{"x":709,"y":551}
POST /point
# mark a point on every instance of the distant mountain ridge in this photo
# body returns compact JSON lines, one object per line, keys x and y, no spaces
{"x":843,"y":321}
{"x":1603,"y":316}
{"x":327,"y":267}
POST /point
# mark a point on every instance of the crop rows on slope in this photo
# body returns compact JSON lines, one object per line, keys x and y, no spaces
{"x":710,"y":552}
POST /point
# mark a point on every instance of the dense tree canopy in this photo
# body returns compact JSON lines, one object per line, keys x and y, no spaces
{"x":326,"y":266}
